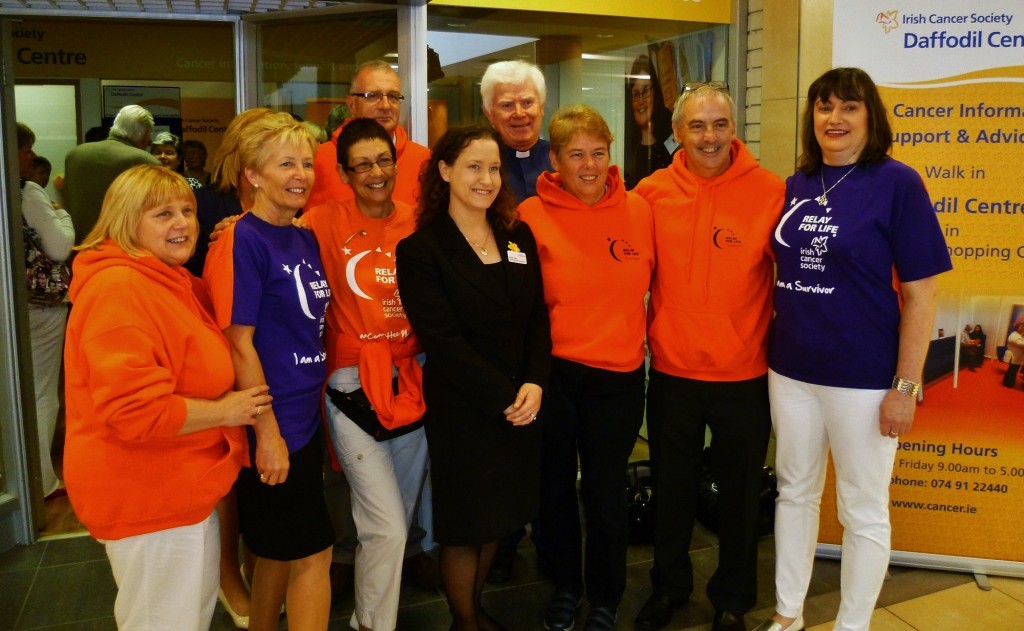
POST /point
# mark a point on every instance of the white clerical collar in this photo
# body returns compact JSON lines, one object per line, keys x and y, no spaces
{"x":523,"y":154}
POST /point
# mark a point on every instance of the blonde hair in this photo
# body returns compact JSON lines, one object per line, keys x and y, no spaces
{"x":226,"y":172}
{"x":268,"y":134}
{"x":131,"y":194}
{"x":571,"y":120}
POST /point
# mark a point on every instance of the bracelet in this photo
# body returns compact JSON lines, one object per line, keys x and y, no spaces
{"x":905,"y":386}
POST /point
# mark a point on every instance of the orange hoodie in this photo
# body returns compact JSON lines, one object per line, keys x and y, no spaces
{"x":711,"y":301}
{"x":328,"y":185}
{"x":366,"y":325}
{"x":596,"y":262}
{"x":140,"y":340}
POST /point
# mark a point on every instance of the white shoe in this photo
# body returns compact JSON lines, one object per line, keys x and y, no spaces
{"x":772,"y":625}
{"x":241,"y":622}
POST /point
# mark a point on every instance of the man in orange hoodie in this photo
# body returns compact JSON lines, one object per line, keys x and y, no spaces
{"x":714,"y":211}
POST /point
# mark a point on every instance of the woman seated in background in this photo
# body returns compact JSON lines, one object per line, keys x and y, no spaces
{"x":166,"y":148}
{"x":369,"y":343}
{"x":270,"y":294}
{"x":153,"y":436}
{"x":470,"y":283}
{"x":596,"y":248}
{"x":979,"y":338}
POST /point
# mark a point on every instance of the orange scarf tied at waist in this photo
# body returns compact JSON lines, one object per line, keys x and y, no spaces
{"x":375,"y":359}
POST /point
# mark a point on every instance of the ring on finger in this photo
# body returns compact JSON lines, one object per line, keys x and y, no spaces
{"x":263,"y":477}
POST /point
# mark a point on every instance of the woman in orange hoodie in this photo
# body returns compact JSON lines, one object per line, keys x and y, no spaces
{"x":596,"y":249}
{"x":154,"y":436}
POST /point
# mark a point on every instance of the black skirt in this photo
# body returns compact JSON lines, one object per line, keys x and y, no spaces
{"x":485,"y":474}
{"x":287,"y":521}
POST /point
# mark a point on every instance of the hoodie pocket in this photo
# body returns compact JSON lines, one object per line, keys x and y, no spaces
{"x":693,"y":341}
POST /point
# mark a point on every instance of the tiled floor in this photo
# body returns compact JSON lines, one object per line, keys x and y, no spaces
{"x":66,"y":585}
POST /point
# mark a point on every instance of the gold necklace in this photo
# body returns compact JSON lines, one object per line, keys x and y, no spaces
{"x":823,"y":200}
{"x":482,"y":248}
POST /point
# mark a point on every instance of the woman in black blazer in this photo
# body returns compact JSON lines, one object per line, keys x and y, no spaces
{"x":470,"y":283}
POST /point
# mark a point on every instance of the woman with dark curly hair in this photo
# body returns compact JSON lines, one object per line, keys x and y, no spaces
{"x":470,"y":283}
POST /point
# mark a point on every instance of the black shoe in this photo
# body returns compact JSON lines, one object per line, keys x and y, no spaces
{"x":656,"y":613}
{"x":561,"y":612}
{"x":725,"y":621}
{"x":600,"y":619}
{"x":501,"y":566}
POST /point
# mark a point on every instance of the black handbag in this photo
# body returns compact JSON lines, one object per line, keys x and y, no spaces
{"x":707,"y":497}
{"x":357,"y":407}
{"x":640,"y":500}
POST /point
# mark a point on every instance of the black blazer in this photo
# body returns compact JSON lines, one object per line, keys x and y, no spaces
{"x":482,"y":341}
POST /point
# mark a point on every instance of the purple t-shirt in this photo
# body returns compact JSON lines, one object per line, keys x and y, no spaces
{"x":280,"y":288}
{"x":836,"y":310}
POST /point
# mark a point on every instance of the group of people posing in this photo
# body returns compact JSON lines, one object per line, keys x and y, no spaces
{"x":474,"y":320}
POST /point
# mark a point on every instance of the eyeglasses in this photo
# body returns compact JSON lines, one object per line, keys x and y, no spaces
{"x":374,"y":97}
{"x":642,"y":93}
{"x":366,"y":167}
{"x":721,"y":86}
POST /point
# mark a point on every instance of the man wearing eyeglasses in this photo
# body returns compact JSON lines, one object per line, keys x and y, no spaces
{"x":714,"y":211}
{"x":512,"y":93}
{"x":376,"y":93}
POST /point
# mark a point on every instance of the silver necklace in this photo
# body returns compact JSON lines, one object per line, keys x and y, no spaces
{"x":823,"y":200}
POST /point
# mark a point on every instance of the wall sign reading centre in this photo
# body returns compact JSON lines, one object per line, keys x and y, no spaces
{"x":123,"y":50}
{"x":714,"y":11}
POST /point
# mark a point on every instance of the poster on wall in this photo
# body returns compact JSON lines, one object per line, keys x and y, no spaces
{"x":951,"y":75}
{"x":654,"y":80}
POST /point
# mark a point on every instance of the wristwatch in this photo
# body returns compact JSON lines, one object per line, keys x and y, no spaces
{"x":905,"y":386}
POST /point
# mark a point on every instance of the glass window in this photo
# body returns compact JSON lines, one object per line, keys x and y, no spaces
{"x":307,"y":64}
{"x":598,"y":60}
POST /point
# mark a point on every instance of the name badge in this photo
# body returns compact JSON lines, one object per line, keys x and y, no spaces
{"x":516,"y":257}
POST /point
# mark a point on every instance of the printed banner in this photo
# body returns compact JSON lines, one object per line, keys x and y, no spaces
{"x":951,"y":75}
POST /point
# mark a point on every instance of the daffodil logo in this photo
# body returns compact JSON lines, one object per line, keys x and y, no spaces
{"x":512,"y":247}
{"x":890,"y":20}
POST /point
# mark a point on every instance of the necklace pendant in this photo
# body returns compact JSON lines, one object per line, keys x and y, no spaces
{"x":483,"y":251}
{"x":823,"y":200}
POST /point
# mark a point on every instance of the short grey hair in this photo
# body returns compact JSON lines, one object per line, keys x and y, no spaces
{"x":167,"y":138}
{"x":514,"y":73}
{"x":703,"y":92}
{"x":133,"y":123}
{"x":374,"y":65}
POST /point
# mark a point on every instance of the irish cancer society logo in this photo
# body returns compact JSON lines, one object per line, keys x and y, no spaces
{"x":890,"y":20}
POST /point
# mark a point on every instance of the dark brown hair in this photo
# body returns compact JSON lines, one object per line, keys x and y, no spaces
{"x":359,"y":129}
{"x":435,"y":192}
{"x":848,"y":84}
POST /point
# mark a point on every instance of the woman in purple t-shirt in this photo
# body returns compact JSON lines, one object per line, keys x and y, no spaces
{"x":270,"y":294}
{"x":845,"y":359}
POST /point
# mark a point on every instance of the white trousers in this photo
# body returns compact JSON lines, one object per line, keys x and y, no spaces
{"x":809,"y":420}
{"x":167,"y":580}
{"x":47,"y":333}
{"x":381,"y":509}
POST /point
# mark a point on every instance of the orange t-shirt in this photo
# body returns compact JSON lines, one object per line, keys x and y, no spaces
{"x":366,"y":324}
